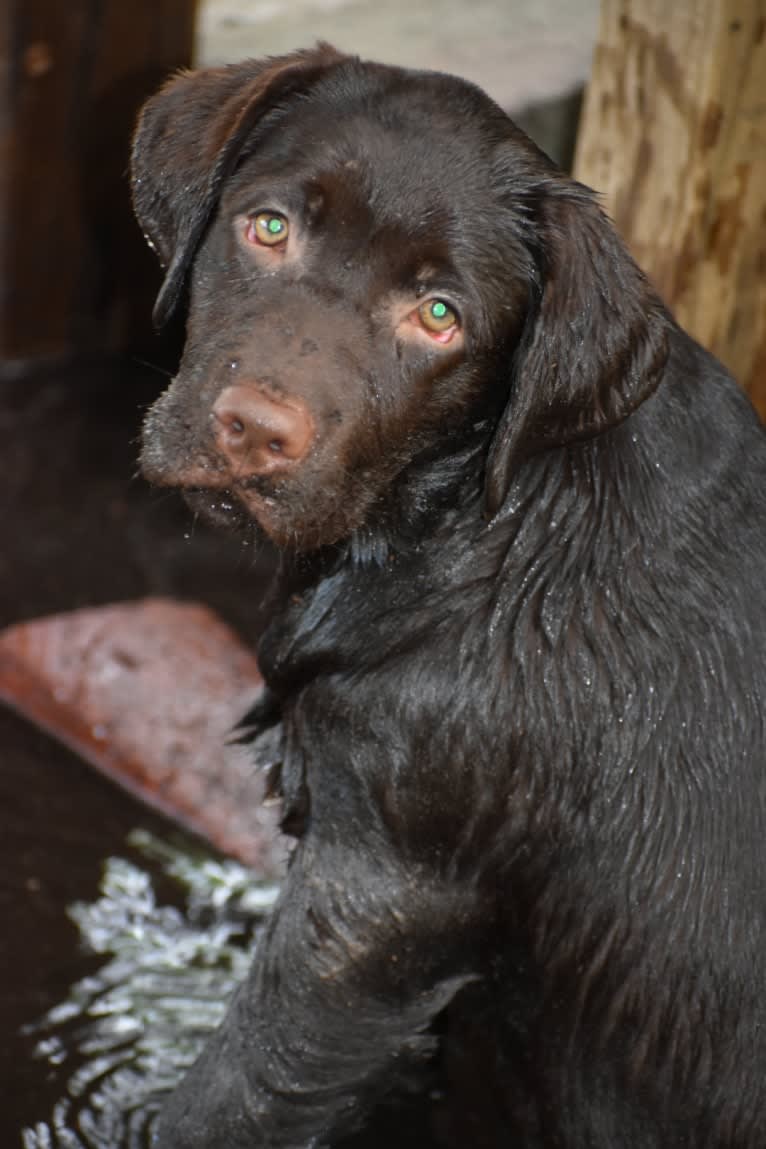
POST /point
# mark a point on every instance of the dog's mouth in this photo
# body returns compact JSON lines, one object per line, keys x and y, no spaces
{"x":288,"y":513}
{"x":213,"y":494}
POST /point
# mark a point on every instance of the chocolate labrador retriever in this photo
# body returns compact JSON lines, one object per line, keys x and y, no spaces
{"x":517,"y":675}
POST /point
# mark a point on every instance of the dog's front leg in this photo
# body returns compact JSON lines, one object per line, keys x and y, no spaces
{"x":357,"y":959}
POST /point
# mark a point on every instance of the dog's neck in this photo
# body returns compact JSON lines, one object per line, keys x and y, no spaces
{"x":435,"y":485}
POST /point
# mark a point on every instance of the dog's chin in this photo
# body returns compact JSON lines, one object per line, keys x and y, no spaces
{"x":244,"y":512}
{"x":288,"y":527}
{"x":220,"y":509}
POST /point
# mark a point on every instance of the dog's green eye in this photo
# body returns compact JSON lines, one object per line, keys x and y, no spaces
{"x":437,"y":316}
{"x":268,"y":227}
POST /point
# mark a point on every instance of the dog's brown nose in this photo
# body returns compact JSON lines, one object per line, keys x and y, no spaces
{"x":259,"y":433}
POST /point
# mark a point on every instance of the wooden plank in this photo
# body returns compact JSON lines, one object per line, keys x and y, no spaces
{"x":40,"y":212}
{"x":74,"y":278}
{"x":674,"y":134}
{"x":6,"y":91}
{"x":138,"y":46}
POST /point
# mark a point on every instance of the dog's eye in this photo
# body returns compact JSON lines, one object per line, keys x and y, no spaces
{"x":437,"y":316}
{"x":267,"y":227}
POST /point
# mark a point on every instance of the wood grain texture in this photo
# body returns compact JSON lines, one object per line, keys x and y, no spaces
{"x":74,"y":278}
{"x":674,"y":135}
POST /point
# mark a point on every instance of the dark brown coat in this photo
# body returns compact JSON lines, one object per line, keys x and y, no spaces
{"x":518,"y":672}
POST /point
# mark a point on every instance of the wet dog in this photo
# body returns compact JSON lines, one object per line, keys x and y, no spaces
{"x":517,"y":676}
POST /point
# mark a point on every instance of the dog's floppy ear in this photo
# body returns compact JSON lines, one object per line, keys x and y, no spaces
{"x":188,"y":140}
{"x":595,"y":341}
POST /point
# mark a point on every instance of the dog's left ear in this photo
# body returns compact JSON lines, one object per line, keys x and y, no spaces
{"x":189,"y":138}
{"x":594,"y":344}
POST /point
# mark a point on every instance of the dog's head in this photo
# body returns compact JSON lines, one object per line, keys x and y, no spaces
{"x":380,"y":267}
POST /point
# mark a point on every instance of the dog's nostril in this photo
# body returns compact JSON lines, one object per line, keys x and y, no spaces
{"x":258,"y":432}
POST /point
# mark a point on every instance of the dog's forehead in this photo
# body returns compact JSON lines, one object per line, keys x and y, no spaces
{"x":395,"y":144}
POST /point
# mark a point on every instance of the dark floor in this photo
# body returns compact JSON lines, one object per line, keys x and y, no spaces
{"x":79,"y":529}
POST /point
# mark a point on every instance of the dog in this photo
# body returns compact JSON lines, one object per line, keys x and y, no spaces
{"x":516,"y":672}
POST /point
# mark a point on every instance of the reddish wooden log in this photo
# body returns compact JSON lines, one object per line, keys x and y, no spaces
{"x":149,"y":692}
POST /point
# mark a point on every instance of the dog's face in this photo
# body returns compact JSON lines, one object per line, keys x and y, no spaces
{"x":362,"y":263}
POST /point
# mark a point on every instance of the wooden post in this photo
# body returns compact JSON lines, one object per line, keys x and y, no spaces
{"x":674,"y":134}
{"x":73,"y":274}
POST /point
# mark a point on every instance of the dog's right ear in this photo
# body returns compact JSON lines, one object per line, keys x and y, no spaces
{"x":188,"y":140}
